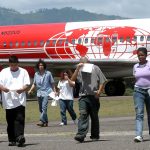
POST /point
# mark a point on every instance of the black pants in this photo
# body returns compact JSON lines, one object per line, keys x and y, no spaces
{"x":15,"y":123}
{"x":89,"y":106}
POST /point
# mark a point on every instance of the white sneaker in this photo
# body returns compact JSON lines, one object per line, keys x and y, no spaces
{"x":61,"y":124}
{"x":75,"y":121}
{"x":138,"y":139}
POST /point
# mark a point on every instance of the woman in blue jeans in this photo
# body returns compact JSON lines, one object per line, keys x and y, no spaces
{"x":141,"y":96}
{"x":65,"y":87}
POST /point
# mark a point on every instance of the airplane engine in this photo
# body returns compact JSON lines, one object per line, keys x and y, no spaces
{"x":115,"y":88}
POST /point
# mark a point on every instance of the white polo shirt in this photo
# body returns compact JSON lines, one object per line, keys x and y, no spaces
{"x":14,"y":81}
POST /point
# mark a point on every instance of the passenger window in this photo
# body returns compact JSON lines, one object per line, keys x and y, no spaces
{"x":41,"y":43}
{"x":54,"y":42}
{"x":17,"y":44}
{"x":128,"y":39}
{"x":22,"y":43}
{"x":148,"y":38}
{"x":107,"y":39}
{"x":121,"y":39}
{"x":47,"y":42}
{"x":79,"y":41}
{"x":114,"y":39}
{"x":142,"y":38}
{"x":66,"y":42}
{"x":60,"y":42}
{"x":29,"y":43}
{"x":35,"y":43}
{"x":100,"y":39}
{"x":135,"y":38}
{"x":86,"y":40}
{"x":73,"y":41}
{"x":92,"y":40}
{"x":10,"y":44}
{"x":4,"y":44}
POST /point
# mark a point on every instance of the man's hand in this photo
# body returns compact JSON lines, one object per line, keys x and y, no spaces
{"x":5,"y":89}
{"x":19,"y":91}
{"x":29,"y":92}
{"x":79,"y":66}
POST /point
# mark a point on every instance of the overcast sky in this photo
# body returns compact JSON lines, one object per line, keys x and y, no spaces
{"x":124,"y":8}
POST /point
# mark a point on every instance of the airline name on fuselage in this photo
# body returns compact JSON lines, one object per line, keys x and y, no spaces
{"x":10,"y":32}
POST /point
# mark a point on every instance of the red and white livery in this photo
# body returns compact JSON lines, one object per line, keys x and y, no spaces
{"x":110,"y":44}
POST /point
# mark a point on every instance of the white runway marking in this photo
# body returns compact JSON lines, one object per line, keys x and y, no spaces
{"x":114,"y":133}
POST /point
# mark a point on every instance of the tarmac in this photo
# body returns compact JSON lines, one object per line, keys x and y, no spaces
{"x":115,"y":134}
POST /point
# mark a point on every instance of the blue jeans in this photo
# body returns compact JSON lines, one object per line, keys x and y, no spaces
{"x":66,"y":105}
{"x":141,"y":97}
{"x":43,"y":103}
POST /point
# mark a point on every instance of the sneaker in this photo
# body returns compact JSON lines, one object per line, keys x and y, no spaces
{"x":138,"y":139}
{"x":12,"y":144}
{"x":79,"y":138}
{"x":45,"y":125}
{"x":75,"y":121}
{"x":61,"y":124}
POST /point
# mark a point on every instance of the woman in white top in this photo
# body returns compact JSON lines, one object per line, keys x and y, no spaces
{"x":65,"y":87}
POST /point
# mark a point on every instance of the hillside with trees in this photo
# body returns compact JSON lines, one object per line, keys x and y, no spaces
{"x":67,"y":14}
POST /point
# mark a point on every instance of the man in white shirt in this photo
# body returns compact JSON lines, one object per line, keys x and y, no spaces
{"x":14,"y":81}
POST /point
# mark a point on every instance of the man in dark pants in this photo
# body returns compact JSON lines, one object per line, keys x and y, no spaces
{"x":91,"y":81}
{"x":14,"y":81}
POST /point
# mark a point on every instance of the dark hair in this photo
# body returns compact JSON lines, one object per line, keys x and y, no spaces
{"x":142,"y":49}
{"x":69,"y":72}
{"x":40,"y":62}
{"x":13,"y":59}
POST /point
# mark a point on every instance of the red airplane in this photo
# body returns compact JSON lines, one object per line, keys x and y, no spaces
{"x":110,"y":44}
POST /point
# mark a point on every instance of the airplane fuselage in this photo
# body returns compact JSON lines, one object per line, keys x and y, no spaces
{"x":110,"y":44}
{"x":101,"y":40}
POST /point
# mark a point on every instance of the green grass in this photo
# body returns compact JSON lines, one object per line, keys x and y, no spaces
{"x":109,"y":108}
{"x":117,"y":108}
